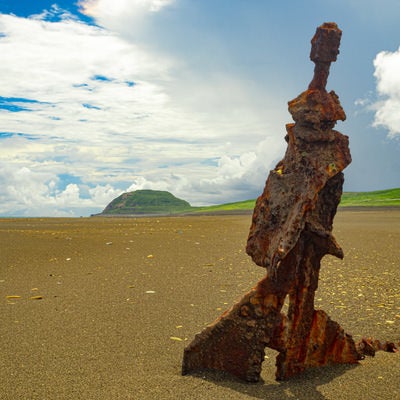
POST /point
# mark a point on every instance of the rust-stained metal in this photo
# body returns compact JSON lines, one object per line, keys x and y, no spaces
{"x":291,"y":231}
{"x":369,"y":346}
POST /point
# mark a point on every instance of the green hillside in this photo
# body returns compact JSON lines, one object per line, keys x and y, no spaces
{"x":161,"y":202}
{"x":379,"y":198}
{"x":146,"y":202}
{"x":246,"y":205}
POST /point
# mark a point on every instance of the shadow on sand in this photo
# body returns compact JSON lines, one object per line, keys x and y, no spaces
{"x":302,"y":387}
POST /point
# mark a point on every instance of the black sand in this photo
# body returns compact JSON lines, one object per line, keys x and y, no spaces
{"x":107,"y":305}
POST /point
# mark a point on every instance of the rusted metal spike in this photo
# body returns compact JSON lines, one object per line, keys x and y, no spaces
{"x":291,"y":231}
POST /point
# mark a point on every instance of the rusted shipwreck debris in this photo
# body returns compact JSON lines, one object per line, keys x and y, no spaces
{"x":291,"y":231}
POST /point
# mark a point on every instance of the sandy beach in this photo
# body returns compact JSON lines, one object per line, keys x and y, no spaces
{"x":102,"y":308}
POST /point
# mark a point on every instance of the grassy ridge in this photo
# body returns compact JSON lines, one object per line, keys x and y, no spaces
{"x":161,"y":202}
{"x":379,"y":198}
{"x":238,"y":206}
{"x":147,"y":202}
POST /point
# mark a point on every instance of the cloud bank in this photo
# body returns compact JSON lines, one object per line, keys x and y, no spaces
{"x":387,"y":115}
{"x":87,"y":115}
{"x":102,"y":8}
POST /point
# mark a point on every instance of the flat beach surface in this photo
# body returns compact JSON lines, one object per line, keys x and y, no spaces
{"x":102,"y":308}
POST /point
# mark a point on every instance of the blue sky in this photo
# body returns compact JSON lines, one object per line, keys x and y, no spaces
{"x":99,"y":97}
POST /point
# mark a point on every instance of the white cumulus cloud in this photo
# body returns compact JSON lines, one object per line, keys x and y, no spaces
{"x":128,"y":13}
{"x":387,"y":114}
{"x":28,"y":192}
{"x":97,"y":7}
{"x":88,"y":113}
